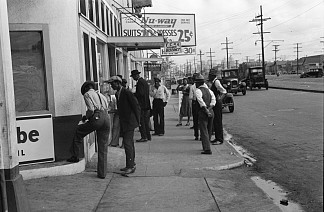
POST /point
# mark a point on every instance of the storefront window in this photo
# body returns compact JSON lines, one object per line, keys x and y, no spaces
{"x":29,"y":72}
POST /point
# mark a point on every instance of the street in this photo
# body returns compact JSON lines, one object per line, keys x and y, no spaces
{"x":283,"y":130}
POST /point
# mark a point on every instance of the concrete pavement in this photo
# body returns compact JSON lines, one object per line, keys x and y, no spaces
{"x":162,"y":182}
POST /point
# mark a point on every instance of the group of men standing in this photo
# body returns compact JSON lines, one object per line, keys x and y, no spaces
{"x":132,"y":110}
{"x":206,"y":100}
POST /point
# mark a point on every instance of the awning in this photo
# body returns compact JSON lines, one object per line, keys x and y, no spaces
{"x":137,"y":43}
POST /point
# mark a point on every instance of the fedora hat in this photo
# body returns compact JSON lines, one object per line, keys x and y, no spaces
{"x":134,"y":72}
{"x":85,"y":85}
{"x":199,"y":78}
{"x":113,"y":79}
{"x":156,"y":79}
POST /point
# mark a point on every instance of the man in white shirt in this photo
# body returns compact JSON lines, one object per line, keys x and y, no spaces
{"x":206,"y":100}
{"x":219,"y":92}
{"x":161,"y":96}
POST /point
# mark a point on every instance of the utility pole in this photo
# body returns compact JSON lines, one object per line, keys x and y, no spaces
{"x":227,"y":48}
{"x":236,"y":63}
{"x":247,"y":58}
{"x":297,"y":50}
{"x":323,"y":43}
{"x":260,"y":21}
{"x":276,"y":50}
{"x":200,"y":61}
{"x":211,"y":58}
{"x":195,"y":64}
{"x":259,"y":58}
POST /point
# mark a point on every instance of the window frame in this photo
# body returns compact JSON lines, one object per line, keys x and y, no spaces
{"x":44,"y":28}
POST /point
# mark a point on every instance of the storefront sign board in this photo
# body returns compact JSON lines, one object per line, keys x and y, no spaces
{"x":174,"y":27}
{"x":35,"y":139}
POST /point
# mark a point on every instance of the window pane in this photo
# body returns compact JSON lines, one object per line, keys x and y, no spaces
{"x":86,"y":55}
{"x":97,"y":13}
{"x":83,"y":7}
{"x":28,"y":71}
{"x":94,"y":59}
{"x":111,"y":24}
{"x":116,"y":27}
{"x":103,"y":17}
{"x":107,"y":21}
{"x":90,"y":10}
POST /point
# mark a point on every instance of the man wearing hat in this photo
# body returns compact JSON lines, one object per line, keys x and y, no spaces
{"x":96,"y":119}
{"x":219,"y":92}
{"x":129,"y":116}
{"x":206,"y":100}
{"x":143,"y":96}
{"x":194,"y":106}
{"x":161,"y":96}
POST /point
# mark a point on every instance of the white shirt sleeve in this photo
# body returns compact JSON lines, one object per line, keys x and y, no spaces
{"x":199,"y":98}
{"x":213,"y":98}
{"x":167,"y":94}
{"x":219,"y":87}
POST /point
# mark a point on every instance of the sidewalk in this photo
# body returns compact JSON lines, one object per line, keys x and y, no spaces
{"x":168,"y":177}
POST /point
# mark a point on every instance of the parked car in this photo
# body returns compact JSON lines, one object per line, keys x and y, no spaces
{"x":315,"y":72}
{"x":231,"y":82}
{"x":228,"y":102}
{"x":256,"y":79}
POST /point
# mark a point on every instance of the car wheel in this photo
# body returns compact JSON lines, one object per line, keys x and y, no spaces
{"x":231,"y":108}
{"x":244,"y":91}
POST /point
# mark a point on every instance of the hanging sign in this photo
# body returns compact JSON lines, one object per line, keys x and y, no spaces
{"x":174,"y":27}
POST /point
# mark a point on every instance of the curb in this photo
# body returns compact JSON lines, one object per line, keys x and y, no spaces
{"x":60,"y":170}
{"x":297,"y":89}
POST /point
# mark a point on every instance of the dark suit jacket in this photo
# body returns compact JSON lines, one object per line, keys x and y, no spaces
{"x":143,"y":94}
{"x":128,"y":109}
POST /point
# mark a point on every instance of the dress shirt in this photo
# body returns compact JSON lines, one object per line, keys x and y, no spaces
{"x":93,"y":102}
{"x":160,"y":93}
{"x":192,"y":92}
{"x":219,"y":86}
{"x":200,"y":99}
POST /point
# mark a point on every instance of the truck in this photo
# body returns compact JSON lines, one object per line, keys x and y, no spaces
{"x":254,"y":77}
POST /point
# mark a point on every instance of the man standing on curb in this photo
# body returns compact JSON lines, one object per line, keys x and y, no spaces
{"x":96,"y":119}
{"x":207,"y":101}
{"x":129,"y":116}
{"x":219,"y":92}
{"x":161,"y":96}
{"x":143,"y":96}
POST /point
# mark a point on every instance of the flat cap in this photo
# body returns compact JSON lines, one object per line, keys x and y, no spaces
{"x":199,"y":78}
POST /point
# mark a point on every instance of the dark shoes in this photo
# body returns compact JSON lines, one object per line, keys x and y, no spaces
{"x":142,"y":140}
{"x":73,"y":159}
{"x":192,"y":127}
{"x":155,"y":134}
{"x":206,"y":152}
{"x":127,"y":170}
{"x":216,"y":142}
{"x":196,"y":138}
{"x":178,"y":125}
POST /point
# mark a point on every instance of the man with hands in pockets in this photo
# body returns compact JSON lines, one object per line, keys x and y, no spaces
{"x":161,"y":96}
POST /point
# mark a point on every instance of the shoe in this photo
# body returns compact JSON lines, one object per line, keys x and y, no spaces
{"x":192,"y":127}
{"x":207,"y":152}
{"x":142,"y":140}
{"x":125,"y":168}
{"x":161,"y":134}
{"x":73,"y":159}
{"x":216,"y":142}
{"x":112,"y":145}
{"x":155,"y":134}
{"x":180,"y":124}
{"x":129,"y":170}
{"x":196,"y":138}
{"x":101,"y":177}
{"x":188,"y":124}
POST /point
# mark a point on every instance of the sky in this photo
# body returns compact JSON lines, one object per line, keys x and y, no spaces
{"x":291,"y":22}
